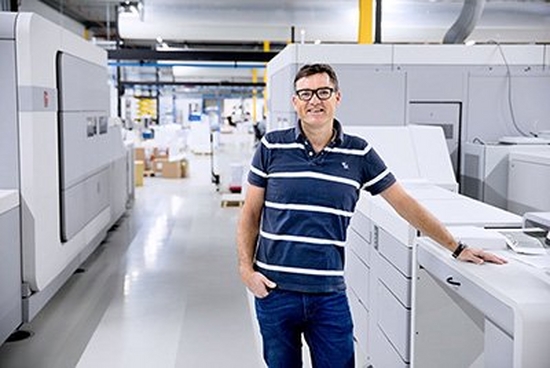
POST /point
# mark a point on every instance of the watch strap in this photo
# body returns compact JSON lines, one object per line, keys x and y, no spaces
{"x":459,"y":249}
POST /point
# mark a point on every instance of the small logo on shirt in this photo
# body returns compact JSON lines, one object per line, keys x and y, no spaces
{"x":345,"y":165}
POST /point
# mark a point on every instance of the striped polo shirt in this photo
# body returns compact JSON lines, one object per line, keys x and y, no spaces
{"x":309,"y":201}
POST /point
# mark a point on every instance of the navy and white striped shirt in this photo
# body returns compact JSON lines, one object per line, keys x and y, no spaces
{"x":309,"y":201}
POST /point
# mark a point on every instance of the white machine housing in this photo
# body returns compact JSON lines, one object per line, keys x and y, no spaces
{"x":380,"y":253}
{"x":529,"y":181}
{"x":380,"y":267}
{"x":75,"y":171}
{"x":11,"y":308}
{"x":413,"y":152}
{"x":537,"y":219}
{"x":489,"y":316}
{"x":485,"y":171}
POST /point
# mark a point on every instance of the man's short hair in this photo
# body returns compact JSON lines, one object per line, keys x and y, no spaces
{"x":311,"y":69}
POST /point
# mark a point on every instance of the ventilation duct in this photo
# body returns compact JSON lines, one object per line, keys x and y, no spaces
{"x":466,"y":21}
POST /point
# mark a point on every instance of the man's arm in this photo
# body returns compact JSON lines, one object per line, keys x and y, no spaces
{"x":247,"y":237}
{"x":419,"y":217}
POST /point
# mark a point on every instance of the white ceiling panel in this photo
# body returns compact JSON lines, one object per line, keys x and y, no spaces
{"x":324,"y":20}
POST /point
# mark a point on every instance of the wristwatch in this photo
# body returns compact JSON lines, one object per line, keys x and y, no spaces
{"x":459,"y":249}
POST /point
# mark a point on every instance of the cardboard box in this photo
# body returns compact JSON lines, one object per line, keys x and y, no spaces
{"x":158,"y":165}
{"x":171,"y":169}
{"x":139,"y":154}
{"x":139,"y":168}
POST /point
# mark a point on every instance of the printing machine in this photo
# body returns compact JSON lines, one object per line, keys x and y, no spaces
{"x":481,"y":316}
{"x":529,"y":181}
{"x":66,"y":175}
{"x":381,"y":257}
{"x":485,"y":171}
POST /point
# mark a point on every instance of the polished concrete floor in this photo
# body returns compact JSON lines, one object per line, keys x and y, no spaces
{"x":161,"y":291}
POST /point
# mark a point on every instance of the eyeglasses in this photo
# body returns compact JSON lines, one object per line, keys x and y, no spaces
{"x":323,"y":93}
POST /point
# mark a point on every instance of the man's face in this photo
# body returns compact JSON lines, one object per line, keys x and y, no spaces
{"x":316,"y":112}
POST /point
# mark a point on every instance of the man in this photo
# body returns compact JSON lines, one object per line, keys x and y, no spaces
{"x":304,"y":185}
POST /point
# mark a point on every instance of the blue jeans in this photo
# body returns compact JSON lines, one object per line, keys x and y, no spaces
{"x":323,"y":319}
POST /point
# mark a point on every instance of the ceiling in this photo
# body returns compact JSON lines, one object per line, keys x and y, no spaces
{"x":250,"y":22}
{"x":243,"y":25}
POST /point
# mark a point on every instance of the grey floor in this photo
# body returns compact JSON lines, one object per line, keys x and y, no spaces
{"x":161,"y":291}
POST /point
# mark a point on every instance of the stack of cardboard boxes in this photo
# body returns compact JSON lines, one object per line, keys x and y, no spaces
{"x":157,"y":163}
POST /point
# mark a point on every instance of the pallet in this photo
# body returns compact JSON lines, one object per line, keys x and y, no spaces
{"x":148,"y":173}
{"x":232,"y":200}
{"x":226,"y":204}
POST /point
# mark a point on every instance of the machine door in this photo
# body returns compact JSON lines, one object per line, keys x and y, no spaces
{"x":9,"y":147}
{"x":11,"y":312}
{"x":83,"y":142}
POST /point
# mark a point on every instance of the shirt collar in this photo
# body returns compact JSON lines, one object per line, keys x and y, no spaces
{"x":299,"y":133}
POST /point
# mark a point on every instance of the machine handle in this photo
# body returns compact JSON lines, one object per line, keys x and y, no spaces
{"x":452,"y":282}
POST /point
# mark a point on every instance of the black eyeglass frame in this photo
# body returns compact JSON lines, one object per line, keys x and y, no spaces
{"x":315,"y":92}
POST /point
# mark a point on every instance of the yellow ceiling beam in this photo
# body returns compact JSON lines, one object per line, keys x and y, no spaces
{"x":366,"y":16}
{"x":267,"y":47}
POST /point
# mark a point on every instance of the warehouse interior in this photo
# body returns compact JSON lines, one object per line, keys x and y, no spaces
{"x":129,"y":129}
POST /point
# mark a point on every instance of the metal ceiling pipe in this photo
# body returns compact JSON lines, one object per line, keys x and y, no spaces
{"x":378,"y":22}
{"x":466,"y":21}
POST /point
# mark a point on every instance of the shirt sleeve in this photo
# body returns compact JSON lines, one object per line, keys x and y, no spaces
{"x":377,"y":175}
{"x":258,"y":169}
